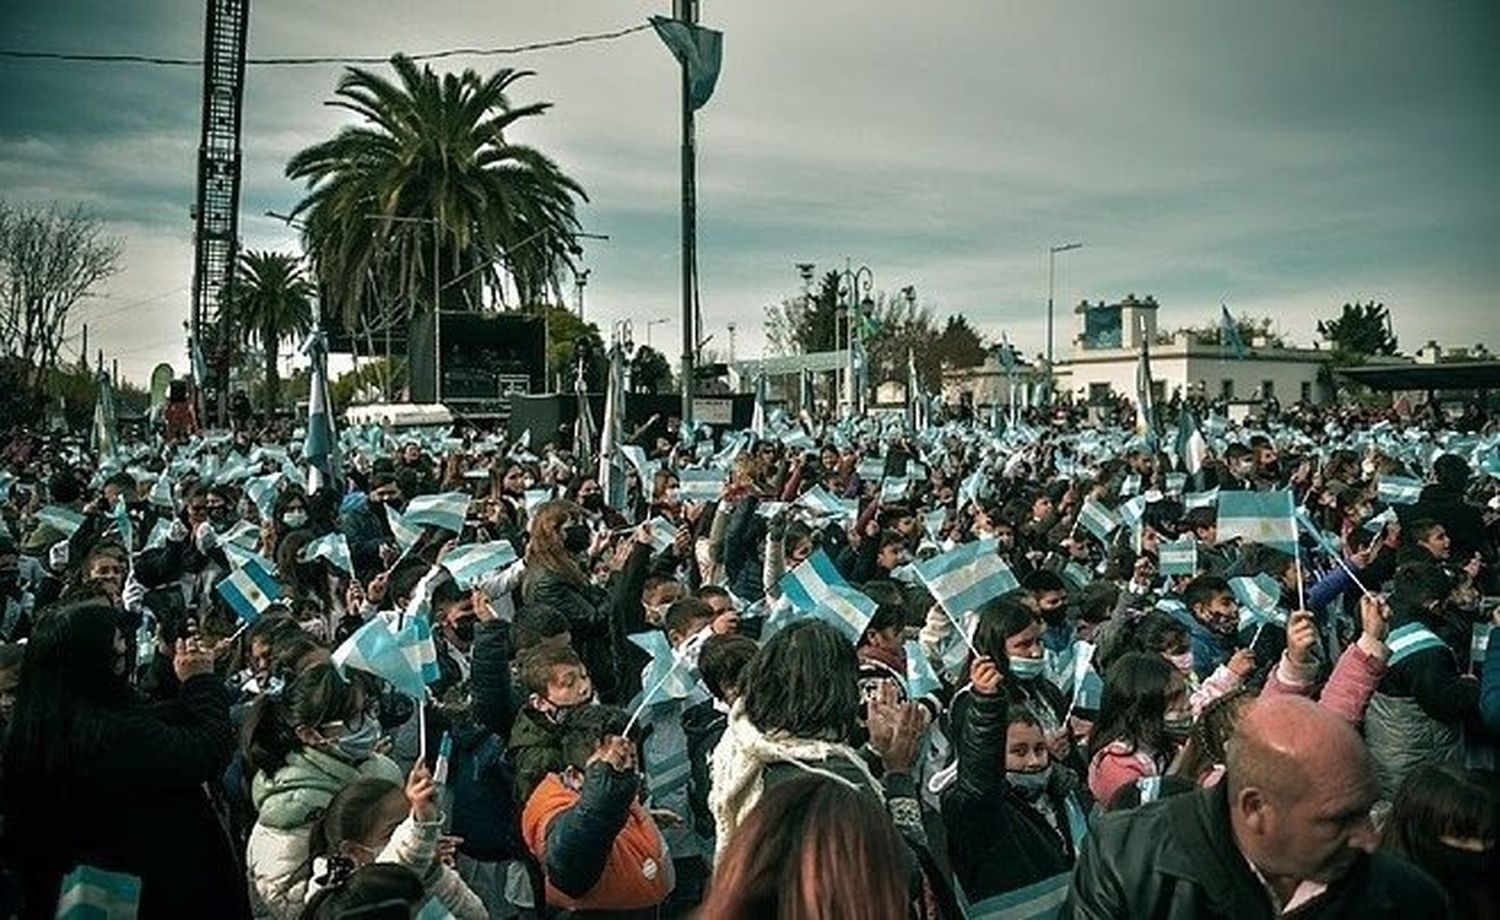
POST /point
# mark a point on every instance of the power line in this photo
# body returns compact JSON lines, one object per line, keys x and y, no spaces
{"x":311,"y":61}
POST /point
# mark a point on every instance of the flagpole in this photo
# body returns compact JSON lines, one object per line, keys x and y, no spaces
{"x":422,"y":730}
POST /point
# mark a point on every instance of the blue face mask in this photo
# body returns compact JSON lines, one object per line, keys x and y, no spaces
{"x":355,"y":746}
{"x":1025,"y":668}
{"x":1029,"y":784}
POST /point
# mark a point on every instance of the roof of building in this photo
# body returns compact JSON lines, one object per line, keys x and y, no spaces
{"x":1457,"y":375}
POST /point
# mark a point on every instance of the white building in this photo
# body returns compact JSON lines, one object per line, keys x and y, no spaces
{"x":1107,"y":349}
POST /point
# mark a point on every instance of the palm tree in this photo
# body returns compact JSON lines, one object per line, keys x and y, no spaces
{"x":272,"y":303}
{"x":431,"y":164}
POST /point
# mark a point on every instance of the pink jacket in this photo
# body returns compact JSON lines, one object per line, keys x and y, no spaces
{"x":1349,"y":688}
{"x":1217,"y":684}
{"x":1116,"y":766}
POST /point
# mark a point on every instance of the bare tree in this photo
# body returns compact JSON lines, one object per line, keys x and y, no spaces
{"x":50,"y":259}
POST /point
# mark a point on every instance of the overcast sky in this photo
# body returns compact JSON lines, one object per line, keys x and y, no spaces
{"x":1283,"y":156}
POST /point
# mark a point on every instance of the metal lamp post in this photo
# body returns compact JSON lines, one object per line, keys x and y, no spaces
{"x":853,"y":281}
{"x":1052,"y":252}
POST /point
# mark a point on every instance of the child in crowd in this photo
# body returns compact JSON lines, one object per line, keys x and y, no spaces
{"x":555,"y":683}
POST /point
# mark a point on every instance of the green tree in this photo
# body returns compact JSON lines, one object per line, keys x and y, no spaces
{"x":273,"y":302}
{"x":1359,"y":331}
{"x":959,"y":345}
{"x":650,"y":371}
{"x":566,"y":335}
{"x":803,"y":325}
{"x":431,"y":163}
{"x":902,"y":327}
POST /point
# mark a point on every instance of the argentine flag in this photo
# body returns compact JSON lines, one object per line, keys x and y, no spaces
{"x":400,"y":653}
{"x":65,"y":520}
{"x":1399,"y":490}
{"x":161,"y":492}
{"x":249,"y":590}
{"x":1259,"y":517}
{"x":334,"y":547}
{"x":965,"y":577}
{"x":1260,"y":593}
{"x":469,"y":564}
{"x":668,"y":677}
{"x":663,"y":534}
{"x":700,"y":485}
{"x":921,"y":679}
{"x":822,"y":502}
{"x":1207,"y":499}
{"x":816,"y":587}
{"x":1097,"y":519}
{"x":445,"y":511}
{"x":1179,"y":557}
{"x":94,"y":894}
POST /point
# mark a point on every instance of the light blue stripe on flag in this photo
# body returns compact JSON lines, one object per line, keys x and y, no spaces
{"x":249,"y":590}
{"x":667,"y":676}
{"x":446,"y":511}
{"x":1201,"y":499}
{"x":669,"y":775}
{"x":1038,"y":901}
{"x":65,"y":520}
{"x":1131,"y":511}
{"x":1260,"y":593}
{"x":1399,"y":490}
{"x":965,"y":577}
{"x":402,"y":655}
{"x":921,"y":679}
{"x":1076,"y":575}
{"x":334,"y":547}
{"x":1179,"y":557}
{"x":1324,"y":541}
{"x":816,"y":587}
{"x":663,"y":534}
{"x":1258,"y":517}
{"x":406,"y":533}
{"x":894,"y":489}
{"x":468,"y":564}
{"x":820,"y":501}
{"x":88,"y":893}
{"x":1097,"y":519}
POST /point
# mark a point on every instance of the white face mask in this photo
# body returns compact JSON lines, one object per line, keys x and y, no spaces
{"x":1183,"y":663}
{"x":294,"y":519}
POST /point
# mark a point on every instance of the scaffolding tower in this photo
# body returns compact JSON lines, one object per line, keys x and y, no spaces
{"x":216,"y":213}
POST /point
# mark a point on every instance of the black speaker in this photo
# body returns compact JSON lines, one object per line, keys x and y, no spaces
{"x":485,"y":357}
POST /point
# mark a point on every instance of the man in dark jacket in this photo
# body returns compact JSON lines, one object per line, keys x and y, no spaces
{"x":1443,"y":501}
{"x":1288,"y":829}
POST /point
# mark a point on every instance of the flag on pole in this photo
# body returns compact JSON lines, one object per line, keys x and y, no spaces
{"x":816,"y":587}
{"x":700,"y":485}
{"x":583,"y":423}
{"x":262,"y":491}
{"x":402,"y":654}
{"x":93,"y":894}
{"x":699,"y":50}
{"x":1399,"y":490}
{"x":668,"y":676}
{"x":612,"y":434}
{"x":758,"y":411}
{"x":334,"y":547}
{"x":469,"y":564}
{"x":965,"y":577}
{"x":445,"y":511}
{"x":320,"y":450}
{"x":1325,"y":542}
{"x":663,"y":534}
{"x":820,"y":501}
{"x":104,"y":435}
{"x":406,"y":533}
{"x":1179,"y":557}
{"x":249,"y":590}
{"x":123,"y":524}
{"x":1191,"y":447}
{"x":1097,"y":519}
{"x":1230,"y":333}
{"x":1259,"y":517}
{"x":1260,"y":593}
{"x":1145,"y":393}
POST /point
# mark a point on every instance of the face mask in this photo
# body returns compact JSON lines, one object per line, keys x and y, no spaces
{"x":1178,"y":724}
{"x":905,"y":573}
{"x":357,"y":746}
{"x":464,"y":629}
{"x":1463,"y":869}
{"x":577,"y":537}
{"x":593,"y":501}
{"x":1183,"y":663}
{"x":294,"y":519}
{"x":1025,"y":668}
{"x":1029,"y":784}
{"x":221,"y":520}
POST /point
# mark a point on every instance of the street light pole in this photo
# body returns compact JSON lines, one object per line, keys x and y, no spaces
{"x":853,"y":280}
{"x":1051,"y":284}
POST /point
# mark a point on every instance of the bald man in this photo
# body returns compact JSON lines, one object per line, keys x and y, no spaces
{"x":1287,"y":831}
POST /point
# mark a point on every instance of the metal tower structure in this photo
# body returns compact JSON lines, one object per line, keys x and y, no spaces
{"x":216,"y":213}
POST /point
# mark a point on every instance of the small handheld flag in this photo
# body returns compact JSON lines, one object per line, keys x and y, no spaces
{"x":404,"y":656}
{"x":93,"y":894}
{"x":469,"y":564}
{"x":249,"y":590}
{"x":334,"y":547}
{"x":816,"y":587}
{"x":445,"y":511}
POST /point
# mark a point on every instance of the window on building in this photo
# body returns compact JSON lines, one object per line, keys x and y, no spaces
{"x":1267,"y":389}
{"x":1099,"y":394}
{"x":1226,"y":389}
{"x":1306,"y":391}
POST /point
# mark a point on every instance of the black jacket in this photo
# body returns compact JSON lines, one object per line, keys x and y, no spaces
{"x":136,"y":804}
{"x":1176,"y":858}
{"x":996,"y":840}
{"x":1463,"y":521}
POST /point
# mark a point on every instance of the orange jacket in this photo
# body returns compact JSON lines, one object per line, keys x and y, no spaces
{"x":638,"y":871}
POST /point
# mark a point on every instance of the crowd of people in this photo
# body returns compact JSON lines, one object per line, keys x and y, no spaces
{"x":823,"y":670}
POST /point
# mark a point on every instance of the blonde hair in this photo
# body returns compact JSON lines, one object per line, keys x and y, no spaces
{"x":544,"y":545}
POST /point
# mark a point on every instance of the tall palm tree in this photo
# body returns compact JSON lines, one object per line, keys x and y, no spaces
{"x":273,"y":302}
{"x":429,"y":167}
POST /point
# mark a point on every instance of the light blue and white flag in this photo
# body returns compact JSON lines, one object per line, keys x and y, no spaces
{"x":1259,"y":593}
{"x":1175,"y":483}
{"x":921,"y":679}
{"x":445,"y":511}
{"x":159,"y":532}
{"x":1064,"y":668}
{"x":1381,"y":520}
{"x":397,"y":649}
{"x":1229,"y":333}
{"x":700,"y":485}
{"x":470,"y":564}
{"x":668,"y":676}
{"x":663,"y":534}
{"x":816,"y":587}
{"x":1399,"y":490}
{"x":334,"y":547}
{"x":126,"y":527}
{"x":933,"y":522}
{"x":1097,"y":519}
{"x":1038,"y":901}
{"x":1131,"y":512}
{"x":1179,"y":557}
{"x":1259,"y":517}
{"x":965,"y":577}
{"x":1130,"y":485}
{"x":262,"y":491}
{"x":64,"y":520}
{"x":971,"y":489}
{"x":93,"y":894}
{"x":320,"y":450}
{"x":893,"y":489}
{"x":1207,"y":499}
{"x":1077,"y":575}
{"x":822,"y":502}
{"x":242,"y":534}
{"x":249,"y":590}
{"x":534,"y":498}
{"x":406,"y":533}
{"x":239,"y":557}
{"x":1325,"y":542}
